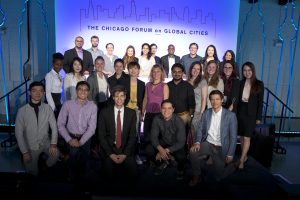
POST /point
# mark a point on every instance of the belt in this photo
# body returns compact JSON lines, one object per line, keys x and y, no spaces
{"x":216,"y":146}
{"x":183,"y":113}
{"x":77,"y":136}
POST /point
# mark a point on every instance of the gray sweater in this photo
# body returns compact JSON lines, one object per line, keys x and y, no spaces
{"x":33,"y":134}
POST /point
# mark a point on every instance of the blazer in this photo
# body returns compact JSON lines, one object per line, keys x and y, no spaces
{"x":234,"y":93}
{"x":228,"y":130}
{"x":255,"y":102}
{"x":107,"y":131}
{"x":140,"y":92}
{"x":87,"y":61}
{"x":94,"y":94}
{"x":165,"y":63}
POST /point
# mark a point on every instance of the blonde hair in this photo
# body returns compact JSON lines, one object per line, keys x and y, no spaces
{"x":163,"y":74}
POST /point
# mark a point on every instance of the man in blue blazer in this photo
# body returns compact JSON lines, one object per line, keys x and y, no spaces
{"x":215,"y":143}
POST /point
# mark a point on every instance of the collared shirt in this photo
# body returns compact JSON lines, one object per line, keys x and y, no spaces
{"x":121,"y":116}
{"x":33,"y":134}
{"x":171,"y":60}
{"x":79,"y":53}
{"x":214,"y":131}
{"x":103,"y":88}
{"x":53,"y":85}
{"x":187,"y":60}
{"x":170,"y":133}
{"x":96,"y":53}
{"x":109,"y":63}
{"x":182,"y":95}
{"x":78,"y":119}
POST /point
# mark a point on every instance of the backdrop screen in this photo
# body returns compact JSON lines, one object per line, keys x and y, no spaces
{"x":133,"y":22}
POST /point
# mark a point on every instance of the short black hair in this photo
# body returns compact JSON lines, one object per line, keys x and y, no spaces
{"x":216,"y":92}
{"x":194,"y":43}
{"x":109,"y":44}
{"x":118,"y":88}
{"x":99,"y":58}
{"x":57,"y":56}
{"x":167,"y":101}
{"x":36,"y":83}
{"x":82,"y":83}
{"x":132,"y":64}
{"x":179,"y":65}
{"x":118,"y":60}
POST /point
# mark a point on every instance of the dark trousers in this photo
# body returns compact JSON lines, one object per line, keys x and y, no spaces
{"x":179,"y":155}
{"x":215,"y":162}
{"x":110,"y":168}
{"x":56,"y":98}
{"x":147,"y":126}
{"x":78,"y":157}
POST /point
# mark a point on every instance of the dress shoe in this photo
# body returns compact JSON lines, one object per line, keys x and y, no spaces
{"x":194,"y":181}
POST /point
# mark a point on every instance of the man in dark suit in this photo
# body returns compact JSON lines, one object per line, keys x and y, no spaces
{"x":215,"y":141}
{"x":169,"y":60}
{"x":117,"y":135}
{"x":78,"y":51}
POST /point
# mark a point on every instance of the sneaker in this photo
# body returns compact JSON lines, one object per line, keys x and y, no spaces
{"x":160,"y":169}
{"x":138,"y":160}
{"x":180,"y":175}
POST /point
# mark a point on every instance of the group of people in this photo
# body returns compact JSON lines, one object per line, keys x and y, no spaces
{"x":198,"y":118}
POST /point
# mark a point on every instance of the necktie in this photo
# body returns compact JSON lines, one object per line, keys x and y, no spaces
{"x":119,"y":134}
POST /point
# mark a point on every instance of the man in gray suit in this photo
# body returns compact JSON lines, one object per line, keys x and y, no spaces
{"x":169,"y":60}
{"x":215,"y":141}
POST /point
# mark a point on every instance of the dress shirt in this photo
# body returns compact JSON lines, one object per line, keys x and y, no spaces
{"x":78,"y":119}
{"x":103,"y":88}
{"x":182,"y":95}
{"x":109,"y":63}
{"x":187,"y":60}
{"x":53,"y":85}
{"x":79,"y":53}
{"x":95,"y":53}
{"x":171,"y":60}
{"x":121,"y":115}
{"x":214,"y":133}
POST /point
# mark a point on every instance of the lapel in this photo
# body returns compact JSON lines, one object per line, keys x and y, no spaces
{"x":222,"y":123}
{"x":209,"y":119}
{"x":111,"y":113}
{"x":125,"y":125}
{"x":75,"y":53}
{"x":96,"y":82}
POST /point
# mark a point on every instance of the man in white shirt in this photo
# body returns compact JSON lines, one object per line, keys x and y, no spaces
{"x":169,"y":60}
{"x":215,"y":141}
{"x":54,"y":83}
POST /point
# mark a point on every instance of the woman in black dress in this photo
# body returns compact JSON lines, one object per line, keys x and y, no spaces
{"x":231,"y":86}
{"x":249,"y":108}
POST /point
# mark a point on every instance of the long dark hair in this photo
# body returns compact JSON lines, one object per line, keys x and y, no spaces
{"x":253,"y":80}
{"x":215,"y":53}
{"x":232,"y":55}
{"x":72,"y":63}
{"x":149,"y":53}
{"x":199,"y":77}
{"x":228,"y":81}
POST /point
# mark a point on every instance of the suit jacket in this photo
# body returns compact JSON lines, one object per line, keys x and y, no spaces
{"x":234,"y":93}
{"x":107,"y":131}
{"x":228,"y":130}
{"x":140,"y":92}
{"x":165,"y":63}
{"x":255,"y":102}
{"x":87,"y":61}
{"x":94,"y":94}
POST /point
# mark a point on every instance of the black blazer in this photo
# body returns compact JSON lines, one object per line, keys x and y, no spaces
{"x":87,"y":61}
{"x":107,"y":131}
{"x":234,"y":93}
{"x":140,"y":92}
{"x":113,"y":81}
{"x":255,"y":102}
{"x":165,"y":63}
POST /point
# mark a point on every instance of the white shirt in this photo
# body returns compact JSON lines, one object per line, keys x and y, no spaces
{"x":70,"y":83}
{"x":146,"y":66}
{"x":171,"y":61}
{"x":53,"y":85}
{"x":121,"y":116}
{"x":102,"y":85}
{"x":214,"y":131}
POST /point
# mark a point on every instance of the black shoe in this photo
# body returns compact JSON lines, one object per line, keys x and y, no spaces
{"x":160,"y":169}
{"x":180,"y":175}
